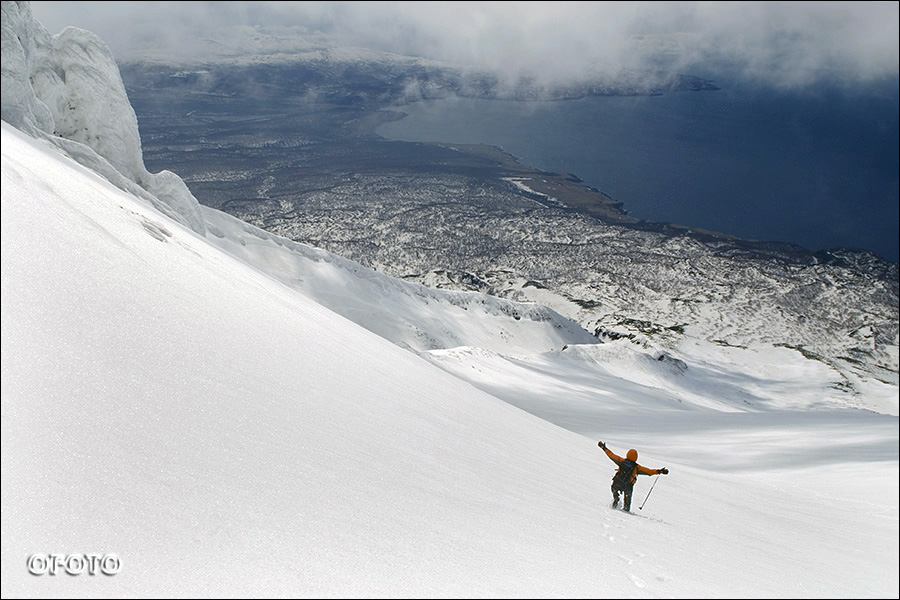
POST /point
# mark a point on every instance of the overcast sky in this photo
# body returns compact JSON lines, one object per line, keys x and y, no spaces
{"x":793,"y":43}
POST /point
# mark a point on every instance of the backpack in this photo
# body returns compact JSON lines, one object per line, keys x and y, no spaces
{"x":622,"y":477}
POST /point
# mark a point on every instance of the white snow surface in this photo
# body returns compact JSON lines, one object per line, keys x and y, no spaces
{"x":233,"y":414}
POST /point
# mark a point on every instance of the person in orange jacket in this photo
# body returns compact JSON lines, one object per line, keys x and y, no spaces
{"x":629,"y":469}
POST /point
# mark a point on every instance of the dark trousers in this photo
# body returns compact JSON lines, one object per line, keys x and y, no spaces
{"x":625,"y":490}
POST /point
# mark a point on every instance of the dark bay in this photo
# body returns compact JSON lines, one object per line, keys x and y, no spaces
{"x":815,"y":169}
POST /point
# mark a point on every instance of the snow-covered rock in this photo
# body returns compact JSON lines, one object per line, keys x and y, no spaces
{"x":66,"y":89}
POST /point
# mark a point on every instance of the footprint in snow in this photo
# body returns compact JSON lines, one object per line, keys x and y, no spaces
{"x":157,"y":231}
{"x":637,"y":581}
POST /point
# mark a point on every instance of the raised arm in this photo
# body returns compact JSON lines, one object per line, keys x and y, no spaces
{"x":645,"y":471}
{"x":612,"y":455}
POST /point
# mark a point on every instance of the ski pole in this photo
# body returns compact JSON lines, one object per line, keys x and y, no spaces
{"x":641,"y":507}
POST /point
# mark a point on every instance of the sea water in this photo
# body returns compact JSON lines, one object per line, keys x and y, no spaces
{"x":817,"y":168}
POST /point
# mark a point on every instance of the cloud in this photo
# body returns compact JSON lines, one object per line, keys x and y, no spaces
{"x":787,"y":43}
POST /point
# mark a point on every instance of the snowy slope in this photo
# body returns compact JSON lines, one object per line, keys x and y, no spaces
{"x":225,"y":435}
{"x":195,"y":407}
{"x":408,"y":314}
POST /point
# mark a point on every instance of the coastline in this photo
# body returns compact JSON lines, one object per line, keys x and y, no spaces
{"x":567,"y":189}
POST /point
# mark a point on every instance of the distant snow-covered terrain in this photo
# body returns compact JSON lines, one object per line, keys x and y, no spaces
{"x":473,"y":219}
